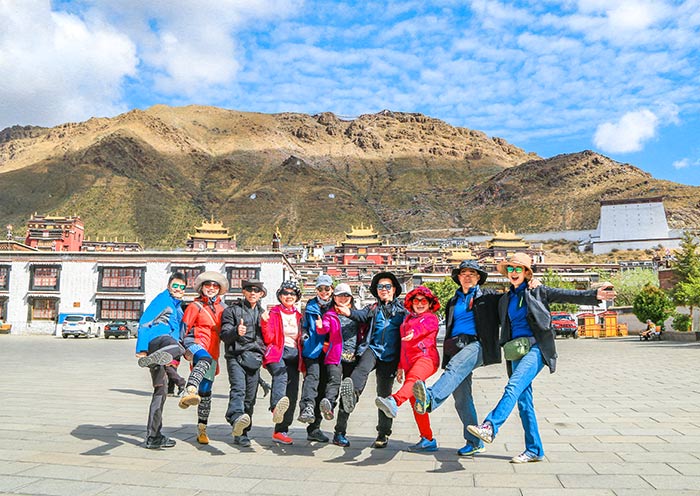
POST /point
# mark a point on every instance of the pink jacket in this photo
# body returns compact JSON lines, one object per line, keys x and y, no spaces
{"x":273,"y":333}
{"x":331,"y":326}
{"x":423,"y":343}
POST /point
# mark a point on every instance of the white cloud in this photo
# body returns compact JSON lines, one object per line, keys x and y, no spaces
{"x":628,"y":134}
{"x":684,"y":163}
{"x":62,"y":69}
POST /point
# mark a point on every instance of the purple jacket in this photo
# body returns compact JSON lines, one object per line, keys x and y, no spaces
{"x":331,"y":326}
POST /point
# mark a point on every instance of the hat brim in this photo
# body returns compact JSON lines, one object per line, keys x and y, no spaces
{"x":501,"y":267}
{"x":385,"y":275}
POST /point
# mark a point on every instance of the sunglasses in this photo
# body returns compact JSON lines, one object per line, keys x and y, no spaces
{"x":384,"y":287}
{"x":288,"y":293}
{"x":420,"y":300}
{"x":323,"y":288}
{"x":178,"y":286}
{"x":253,"y":289}
{"x":510,"y":269}
{"x":211,"y":284}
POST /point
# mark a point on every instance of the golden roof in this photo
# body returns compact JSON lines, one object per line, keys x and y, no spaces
{"x":459,"y":255}
{"x":210,"y":230}
{"x":507,"y":239}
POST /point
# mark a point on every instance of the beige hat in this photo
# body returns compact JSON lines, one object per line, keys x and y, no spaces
{"x":518,"y":259}
{"x":213,"y":276}
{"x":342,"y":289}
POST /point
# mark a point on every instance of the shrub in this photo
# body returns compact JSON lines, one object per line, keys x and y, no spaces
{"x":681,"y":322}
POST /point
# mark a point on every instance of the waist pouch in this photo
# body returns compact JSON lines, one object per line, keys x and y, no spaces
{"x":516,"y":348}
{"x":455,"y":344}
{"x":249,"y":360}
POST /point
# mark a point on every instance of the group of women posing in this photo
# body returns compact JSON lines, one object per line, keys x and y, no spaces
{"x":335,"y":347}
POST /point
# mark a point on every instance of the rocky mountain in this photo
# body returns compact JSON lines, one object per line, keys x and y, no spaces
{"x":153,"y":175}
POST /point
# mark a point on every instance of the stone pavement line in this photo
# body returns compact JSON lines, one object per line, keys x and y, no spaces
{"x":619,"y":418}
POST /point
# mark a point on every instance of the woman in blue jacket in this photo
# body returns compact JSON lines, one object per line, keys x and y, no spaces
{"x":524,"y":315}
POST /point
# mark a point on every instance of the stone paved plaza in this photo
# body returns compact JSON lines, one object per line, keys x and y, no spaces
{"x":620,"y":417}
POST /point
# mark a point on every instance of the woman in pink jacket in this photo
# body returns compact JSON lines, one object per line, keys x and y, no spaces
{"x":419,"y":360}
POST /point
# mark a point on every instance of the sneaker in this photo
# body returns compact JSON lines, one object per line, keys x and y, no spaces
{"x":326,"y":409}
{"x":387,"y":405}
{"x":381,"y":441}
{"x":483,"y":431}
{"x":280,"y":409}
{"x":318,"y":436}
{"x":157,"y":442}
{"x":282,"y":438}
{"x":347,"y":395}
{"x":190,"y":397}
{"x":420,"y":392}
{"x":470,"y":450}
{"x":340,"y":440}
{"x":180,"y":390}
{"x":306,"y":416}
{"x":156,"y":358}
{"x":424,"y":445}
{"x":242,"y":441}
{"x":526,"y":457}
{"x":240,"y":424}
{"x":202,"y":437}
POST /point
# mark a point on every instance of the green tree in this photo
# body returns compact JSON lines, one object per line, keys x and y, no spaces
{"x":554,"y":280}
{"x":654,"y":304}
{"x":687,"y":267}
{"x":444,"y":290}
{"x":628,"y":284}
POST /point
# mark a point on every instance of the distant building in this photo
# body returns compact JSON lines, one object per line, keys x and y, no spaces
{"x":211,"y":236}
{"x":106,"y":245}
{"x":55,"y":233}
{"x":504,"y":244}
{"x":632,"y":224}
{"x":362,"y":244}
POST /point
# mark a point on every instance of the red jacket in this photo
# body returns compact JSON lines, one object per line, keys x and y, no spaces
{"x":202,"y":322}
{"x":273,"y":334}
{"x":423,"y":343}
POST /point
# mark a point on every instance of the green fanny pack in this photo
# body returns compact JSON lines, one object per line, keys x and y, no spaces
{"x":516,"y":348}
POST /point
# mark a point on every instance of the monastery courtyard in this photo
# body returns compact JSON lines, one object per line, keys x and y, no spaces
{"x":620,"y":417}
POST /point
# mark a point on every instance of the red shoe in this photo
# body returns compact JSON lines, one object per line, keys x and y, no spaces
{"x":282,"y":438}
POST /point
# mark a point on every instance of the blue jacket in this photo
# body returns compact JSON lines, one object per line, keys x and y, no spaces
{"x":385,"y":343}
{"x":162,"y":316}
{"x":312,"y":340}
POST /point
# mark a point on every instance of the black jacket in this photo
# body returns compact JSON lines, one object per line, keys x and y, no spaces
{"x":241,"y":311}
{"x":389,"y":341}
{"x":485,"y":310}
{"x":539,"y":318}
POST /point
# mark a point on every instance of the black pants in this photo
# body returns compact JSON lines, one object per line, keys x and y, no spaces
{"x":285,"y":382}
{"x":243,"y":389}
{"x":385,"y":372}
{"x":160,"y":382}
{"x":174,"y":378}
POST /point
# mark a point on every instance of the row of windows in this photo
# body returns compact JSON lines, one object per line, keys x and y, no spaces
{"x":47,"y":278}
{"x":47,"y":309}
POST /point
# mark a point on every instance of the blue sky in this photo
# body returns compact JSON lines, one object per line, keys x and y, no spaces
{"x":618,"y":77}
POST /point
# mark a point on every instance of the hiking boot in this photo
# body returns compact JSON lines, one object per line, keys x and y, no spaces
{"x":282,"y":438}
{"x":190,"y":397}
{"x":470,"y":450}
{"x":340,"y":440}
{"x":155,"y":359}
{"x":306,"y":416}
{"x":318,"y":436}
{"x":381,"y":441}
{"x":202,"y":437}
{"x":526,"y":457}
{"x":424,"y":445}
{"x":420,"y":392}
{"x":280,"y":409}
{"x":326,"y":409}
{"x":387,"y":405}
{"x":157,"y":442}
{"x":483,"y":431}
{"x":240,"y":424}
{"x":347,"y":395}
{"x":242,"y":441}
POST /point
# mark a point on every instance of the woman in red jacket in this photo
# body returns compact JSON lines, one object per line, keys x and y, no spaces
{"x":280,"y":329}
{"x":419,"y":360}
{"x":199,"y":334}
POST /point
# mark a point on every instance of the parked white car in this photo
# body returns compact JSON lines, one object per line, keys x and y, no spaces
{"x":80,"y":326}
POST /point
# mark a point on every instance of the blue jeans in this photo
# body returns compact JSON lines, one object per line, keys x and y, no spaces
{"x":519,"y":389}
{"x":457,"y":381}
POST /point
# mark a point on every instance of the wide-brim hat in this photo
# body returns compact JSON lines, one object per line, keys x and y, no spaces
{"x":385,"y":275}
{"x":469,"y":264}
{"x":212,"y":276}
{"x":427,"y":294}
{"x":518,"y":259}
{"x":256,"y":284}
